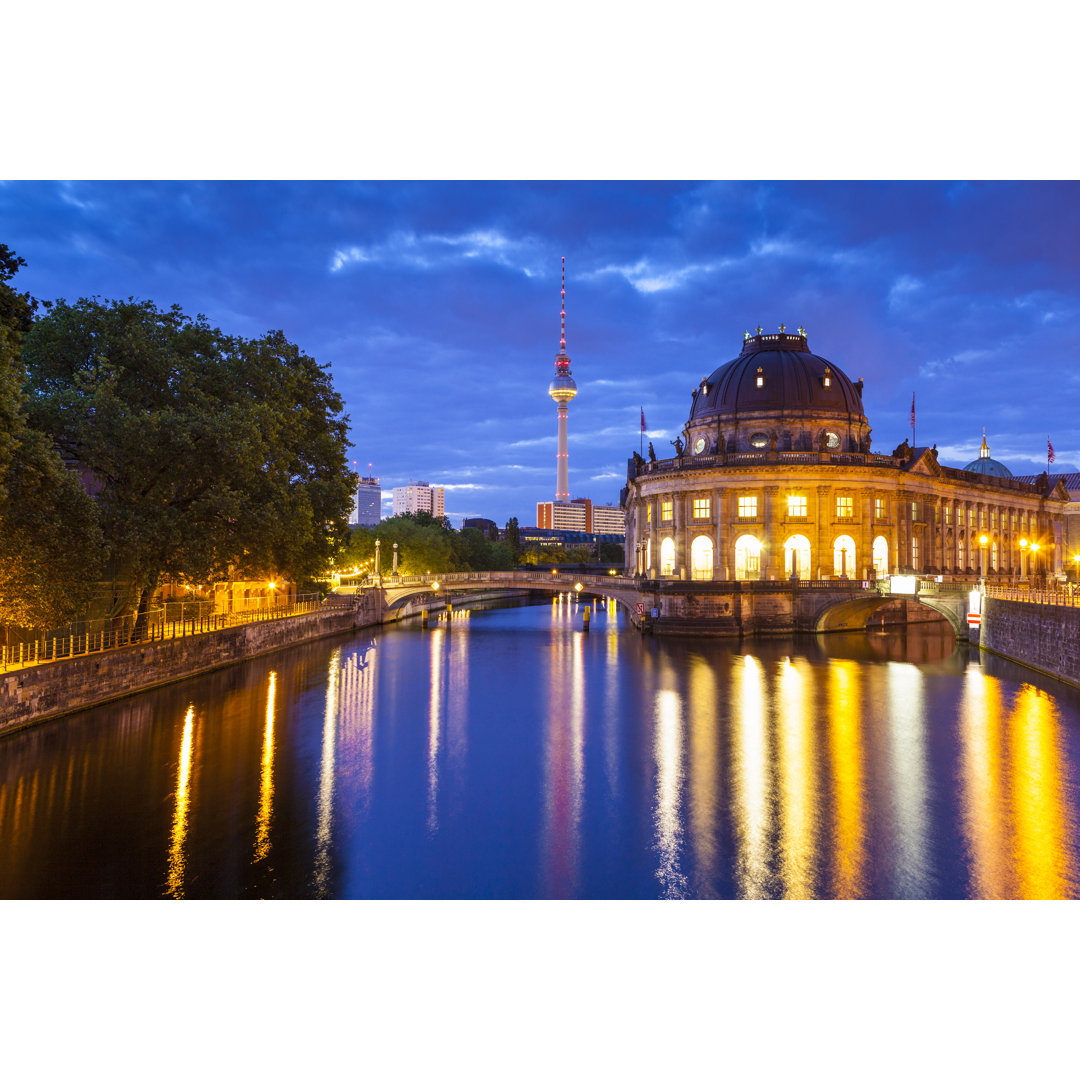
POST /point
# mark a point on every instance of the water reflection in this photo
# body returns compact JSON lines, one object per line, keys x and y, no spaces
{"x":845,"y":754}
{"x":798,"y":782}
{"x":912,"y":787}
{"x":266,"y":774}
{"x":564,"y":758}
{"x":751,"y":780}
{"x":1018,"y":818}
{"x":530,"y":758}
{"x":177,"y":858}
{"x":327,"y":771}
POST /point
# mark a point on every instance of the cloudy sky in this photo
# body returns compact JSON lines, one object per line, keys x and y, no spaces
{"x":436,"y":305}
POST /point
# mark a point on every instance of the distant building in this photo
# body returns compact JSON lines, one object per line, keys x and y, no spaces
{"x":565,"y":538}
{"x":367,"y":508}
{"x":485,"y":525}
{"x":420,"y":496}
{"x":581,"y":516}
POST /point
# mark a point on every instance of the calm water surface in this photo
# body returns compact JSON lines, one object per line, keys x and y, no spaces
{"x":506,"y":754}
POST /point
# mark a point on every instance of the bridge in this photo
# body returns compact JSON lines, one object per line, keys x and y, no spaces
{"x":722,"y":608}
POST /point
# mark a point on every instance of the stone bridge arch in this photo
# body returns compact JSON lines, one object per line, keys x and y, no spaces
{"x":853,"y":613}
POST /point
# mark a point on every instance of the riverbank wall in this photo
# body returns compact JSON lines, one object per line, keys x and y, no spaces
{"x":1039,"y":636}
{"x":32,"y":694}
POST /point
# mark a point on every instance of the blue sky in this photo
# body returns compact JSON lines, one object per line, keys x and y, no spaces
{"x":436,"y":305}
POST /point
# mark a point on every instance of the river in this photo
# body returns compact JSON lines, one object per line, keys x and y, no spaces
{"x":507,"y":754}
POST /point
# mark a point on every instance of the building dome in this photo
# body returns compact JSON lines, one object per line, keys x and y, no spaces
{"x":985,"y":465}
{"x":777,"y":393}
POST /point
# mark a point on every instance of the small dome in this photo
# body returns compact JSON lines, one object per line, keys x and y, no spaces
{"x":985,"y":465}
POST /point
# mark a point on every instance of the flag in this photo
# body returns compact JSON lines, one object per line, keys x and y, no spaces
{"x":1049,"y":451}
{"x":643,"y":418}
{"x":913,"y":414}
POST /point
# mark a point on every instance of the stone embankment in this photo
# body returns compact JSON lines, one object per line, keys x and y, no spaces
{"x":1040,"y":636}
{"x":30,"y":694}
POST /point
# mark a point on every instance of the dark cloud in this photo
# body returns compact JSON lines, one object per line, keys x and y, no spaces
{"x":436,"y":304}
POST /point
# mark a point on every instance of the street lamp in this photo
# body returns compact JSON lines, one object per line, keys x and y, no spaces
{"x":983,"y":541}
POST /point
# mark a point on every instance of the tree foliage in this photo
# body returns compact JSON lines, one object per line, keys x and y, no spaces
{"x":212,"y":454}
{"x":50,"y":543}
{"x":426,"y":545}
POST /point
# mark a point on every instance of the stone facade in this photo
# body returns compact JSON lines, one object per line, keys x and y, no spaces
{"x":787,"y":486}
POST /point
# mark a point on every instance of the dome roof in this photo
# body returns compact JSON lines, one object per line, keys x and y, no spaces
{"x":985,"y":465}
{"x":777,"y":373}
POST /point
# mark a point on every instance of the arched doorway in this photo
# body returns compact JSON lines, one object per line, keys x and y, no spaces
{"x":844,"y":557}
{"x":747,"y":558}
{"x":701,"y":559}
{"x":667,"y":557}
{"x":797,"y":557}
{"x":881,"y":557}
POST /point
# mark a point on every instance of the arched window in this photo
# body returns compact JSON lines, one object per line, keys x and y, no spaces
{"x":747,"y":558}
{"x":994,"y":556}
{"x":701,"y":559}
{"x":667,"y":557}
{"x":797,"y":557}
{"x":844,"y":556}
{"x":881,"y":556}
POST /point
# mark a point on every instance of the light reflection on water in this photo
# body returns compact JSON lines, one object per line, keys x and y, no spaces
{"x":533,"y":759}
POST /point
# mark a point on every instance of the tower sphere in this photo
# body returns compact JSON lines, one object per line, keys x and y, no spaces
{"x":562,"y":388}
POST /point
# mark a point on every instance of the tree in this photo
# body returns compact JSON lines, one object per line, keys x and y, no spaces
{"x":214,"y":454}
{"x":51,"y":549}
{"x":513,"y":538}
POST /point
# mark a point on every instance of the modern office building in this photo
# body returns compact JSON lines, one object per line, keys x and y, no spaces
{"x":367,"y":508}
{"x":580,"y":515}
{"x":420,"y":496}
{"x":774,"y":478}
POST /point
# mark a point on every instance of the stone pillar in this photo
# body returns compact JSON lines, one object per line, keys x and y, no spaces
{"x":864,"y":553}
{"x":678,"y":516}
{"x":822,"y":555}
{"x":772,"y":561}
{"x":720,"y":555}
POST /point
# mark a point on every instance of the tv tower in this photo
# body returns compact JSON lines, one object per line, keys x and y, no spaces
{"x":563,"y":389}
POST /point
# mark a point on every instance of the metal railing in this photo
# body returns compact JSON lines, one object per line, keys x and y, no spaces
{"x":85,"y":636}
{"x":1061,"y":595}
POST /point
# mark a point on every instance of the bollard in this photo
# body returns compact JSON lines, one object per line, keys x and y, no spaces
{"x":585,"y":620}
{"x":424,"y":618}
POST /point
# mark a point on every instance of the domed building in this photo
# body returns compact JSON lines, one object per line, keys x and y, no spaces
{"x":773,"y":478}
{"x":985,"y":465}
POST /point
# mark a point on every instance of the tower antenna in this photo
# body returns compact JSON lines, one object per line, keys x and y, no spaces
{"x":562,"y":390}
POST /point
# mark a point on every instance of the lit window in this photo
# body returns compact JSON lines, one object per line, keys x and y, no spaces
{"x":937,"y":513}
{"x":948,"y":514}
{"x":879,"y":509}
{"x":648,"y":513}
{"x":760,"y":378}
{"x":796,"y":505}
{"x":826,"y":379}
{"x":666,"y":512}
{"x":971,"y":517}
{"x":993,"y":519}
{"x":982,"y":519}
{"x":701,"y":508}
{"x":914,"y":511}
{"x":844,"y":506}
{"x":759,"y":440}
{"x":748,"y":506}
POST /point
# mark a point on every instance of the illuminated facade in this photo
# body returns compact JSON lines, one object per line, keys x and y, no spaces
{"x":774,"y":478}
{"x":580,"y":515}
{"x":420,"y":496}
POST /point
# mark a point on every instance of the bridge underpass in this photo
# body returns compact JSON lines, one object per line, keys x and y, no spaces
{"x":726,"y":608}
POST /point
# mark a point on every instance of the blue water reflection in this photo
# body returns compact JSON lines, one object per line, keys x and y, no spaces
{"x":509,"y":754}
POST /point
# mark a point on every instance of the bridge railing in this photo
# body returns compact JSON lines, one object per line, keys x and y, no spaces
{"x":1066,"y":595}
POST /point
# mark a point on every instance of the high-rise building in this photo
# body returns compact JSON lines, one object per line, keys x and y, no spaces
{"x":418,"y":496}
{"x":367,"y":508}
{"x":563,"y":390}
{"x":580,"y":515}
